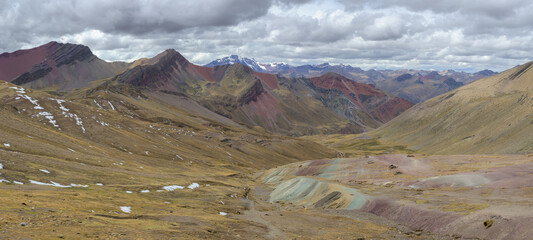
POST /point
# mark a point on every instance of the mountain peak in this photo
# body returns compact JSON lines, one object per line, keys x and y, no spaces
{"x":233,"y":59}
{"x":168,"y":56}
{"x":333,"y":75}
{"x":40,"y":60}
{"x":323,"y":65}
{"x":486,"y":73}
{"x":170,"y":52}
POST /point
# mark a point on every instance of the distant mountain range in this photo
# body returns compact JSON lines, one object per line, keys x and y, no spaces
{"x":413,"y":85}
{"x":292,"y":106}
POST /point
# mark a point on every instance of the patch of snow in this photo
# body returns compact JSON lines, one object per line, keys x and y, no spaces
{"x":33,"y":101}
{"x":76,"y":118}
{"x":3,"y":180}
{"x":179,"y":156}
{"x":70,"y":149}
{"x":193,"y":186}
{"x":20,"y":90}
{"x":7,"y":145}
{"x":61,"y":107}
{"x":172,"y":187}
{"x":60,"y":102}
{"x":145,"y":191}
{"x":129,"y":192}
{"x":99,"y":184}
{"x":100,"y":107}
{"x":53,"y":184}
{"x":103,"y":123}
{"x":111,"y":105}
{"x":17,"y":182}
{"x":44,"y":170}
{"x":146,"y":152}
{"x":223,"y":213}
{"x":1,"y":166}
{"x":125,"y":209}
{"x":48,"y":116}
{"x":79,"y":185}
{"x":79,"y":122}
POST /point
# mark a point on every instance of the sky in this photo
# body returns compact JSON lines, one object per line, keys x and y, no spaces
{"x":383,"y":34}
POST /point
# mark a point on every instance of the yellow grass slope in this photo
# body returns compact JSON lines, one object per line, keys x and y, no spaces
{"x":491,"y":115}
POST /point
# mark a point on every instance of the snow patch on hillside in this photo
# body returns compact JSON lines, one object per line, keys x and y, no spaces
{"x":193,"y":186}
{"x":125,"y":209}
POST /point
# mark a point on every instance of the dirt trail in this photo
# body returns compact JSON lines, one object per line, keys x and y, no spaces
{"x":252,"y":214}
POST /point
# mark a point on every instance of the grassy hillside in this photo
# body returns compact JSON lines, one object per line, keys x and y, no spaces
{"x":491,"y":115}
{"x":74,"y":168}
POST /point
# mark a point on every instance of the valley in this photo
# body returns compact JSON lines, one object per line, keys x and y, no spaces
{"x":161,"y":148}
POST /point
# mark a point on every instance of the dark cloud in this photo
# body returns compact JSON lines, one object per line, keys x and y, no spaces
{"x":130,"y":16}
{"x":492,"y":8}
{"x":459,"y":34}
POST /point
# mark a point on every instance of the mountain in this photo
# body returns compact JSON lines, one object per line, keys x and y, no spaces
{"x":354,"y":100}
{"x":490,"y":115}
{"x":288,"y":106}
{"x":56,"y":66}
{"x":422,"y":85}
{"x":249,"y":62}
{"x":416,"y":87}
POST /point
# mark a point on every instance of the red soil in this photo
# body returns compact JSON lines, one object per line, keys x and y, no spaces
{"x":265,"y":107}
{"x":354,"y":91}
{"x":392,"y":108}
{"x":351,"y":89}
{"x":18,"y":62}
{"x":206,"y":72}
{"x":270,"y":79}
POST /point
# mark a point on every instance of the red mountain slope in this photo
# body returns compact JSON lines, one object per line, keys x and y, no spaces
{"x":56,"y":65}
{"x":377,"y":104}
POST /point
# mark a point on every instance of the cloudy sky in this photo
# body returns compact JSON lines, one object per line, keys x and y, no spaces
{"x":385,"y":34}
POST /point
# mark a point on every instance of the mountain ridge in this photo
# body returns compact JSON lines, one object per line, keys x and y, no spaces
{"x":255,"y":98}
{"x":383,"y":79}
{"x":56,"y":66}
{"x":290,"y":106}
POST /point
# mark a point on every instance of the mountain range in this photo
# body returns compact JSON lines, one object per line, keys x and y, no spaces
{"x":412,"y":85}
{"x":291,"y":106}
{"x":161,"y":148}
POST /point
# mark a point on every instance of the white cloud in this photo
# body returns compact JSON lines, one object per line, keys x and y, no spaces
{"x":370,"y":34}
{"x":388,"y":27}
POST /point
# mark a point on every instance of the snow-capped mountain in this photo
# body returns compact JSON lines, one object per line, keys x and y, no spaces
{"x":250,"y":62}
{"x":254,"y":65}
